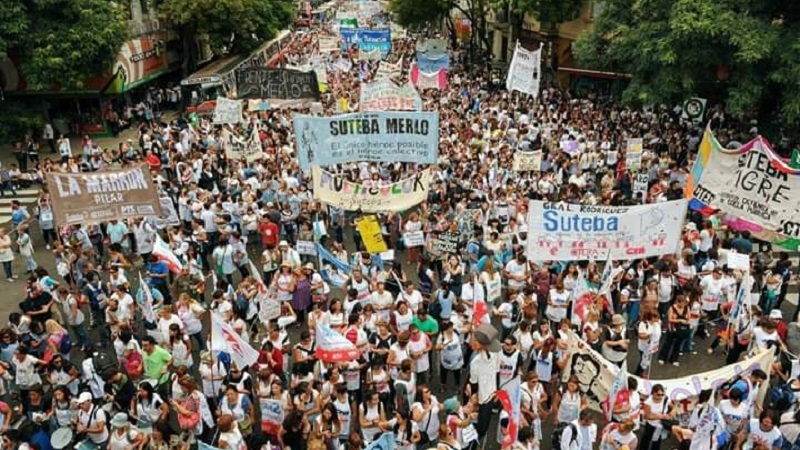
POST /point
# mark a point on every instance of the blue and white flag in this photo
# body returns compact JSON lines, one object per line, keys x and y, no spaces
{"x":619,"y":384}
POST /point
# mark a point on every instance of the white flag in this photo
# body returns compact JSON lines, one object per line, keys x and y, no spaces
{"x":225,"y":338}
{"x":524,"y":73}
{"x":147,"y":301}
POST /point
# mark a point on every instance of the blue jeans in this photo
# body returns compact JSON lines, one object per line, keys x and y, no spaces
{"x":7,"y":269}
{"x":7,"y":185}
{"x":633,"y":312}
{"x":688,"y":344}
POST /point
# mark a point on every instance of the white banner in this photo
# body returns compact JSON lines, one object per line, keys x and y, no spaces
{"x":525,"y":71}
{"x":227,"y":111}
{"x":404,"y":194}
{"x":384,"y":95}
{"x":524,"y":161}
{"x":747,"y":185}
{"x":596,"y":374}
{"x":569,"y":232}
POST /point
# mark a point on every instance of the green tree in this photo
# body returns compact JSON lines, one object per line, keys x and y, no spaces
{"x":233,"y":26}
{"x":62,"y":42}
{"x":741,"y":52}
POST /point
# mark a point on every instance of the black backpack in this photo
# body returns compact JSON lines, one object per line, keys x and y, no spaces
{"x":104,"y":363}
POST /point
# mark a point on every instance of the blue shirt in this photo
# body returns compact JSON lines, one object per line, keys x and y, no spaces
{"x":158,"y":268}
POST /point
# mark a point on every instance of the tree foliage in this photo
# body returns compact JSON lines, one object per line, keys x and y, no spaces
{"x":62,"y":42}
{"x":547,"y":12}
{"x":414,"y":13}
{"x":233,"y":26}
{"x":742,"y":52}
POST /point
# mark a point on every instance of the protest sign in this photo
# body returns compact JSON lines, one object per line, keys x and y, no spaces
{"x":568,"y":232}
{"x":524,"y":73}
{"x":640,"y":183}
{"x":694,"y":109}
{"x":90,"y":198}
{"x":169,"y":216}
{"x":467,"y":221}
{"x":369,"y":55}
{"x":271,"y":415}
{"x":738,"y":261}
{"x":340,"y":193}
{"x":633,"y":154}
{"x":284,"y":84}
{"x":384,"y":95}
{"x":328,"y":44}
{"x":269,"y":308}
{"x":414,"y":239}
{"x":389,"y":70}
{"x":596,"y":375}
{"x":428,"y":63}
{"x":306,"y":248}
{"x":428,"y":80}
{"x":370,"y":231}
{"x":249,"y":150}
{"x":524,"y":161}
{"x":257,"y":105}
{"x":751,"y":183}
{"x":447,"y":242}
{"x":374,"y":136}
{"x":494,"y":290}
{"x":227,"y":111}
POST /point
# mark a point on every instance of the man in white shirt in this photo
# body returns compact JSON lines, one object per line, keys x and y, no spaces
{"x":580,"y":434}
{"x":483,"y":372}
{"x":92,"y":420}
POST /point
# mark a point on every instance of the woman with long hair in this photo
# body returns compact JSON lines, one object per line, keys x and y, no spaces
{"x":326,"y":427}
{"x":180,"y":346}
{"x":148,"y":408}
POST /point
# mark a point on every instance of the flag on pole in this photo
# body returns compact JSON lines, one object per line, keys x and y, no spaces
{"x":480,"y":312}
{"x":385,"y":442}
{"x":256,"y":274}
{"x":619,"y":384}
{"x":225,"y":338}
{"x":147,"y":301}
{"x":509,"y":396}
{"x":333,"y":347}
{"x":164,"y":253}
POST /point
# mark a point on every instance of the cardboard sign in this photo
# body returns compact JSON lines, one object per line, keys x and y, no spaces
{"x":370,"y":231}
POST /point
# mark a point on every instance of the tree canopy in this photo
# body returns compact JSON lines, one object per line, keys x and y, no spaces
{"x":62,"y":42}
{"x":233,"y":26}
{"x":745,"y":53}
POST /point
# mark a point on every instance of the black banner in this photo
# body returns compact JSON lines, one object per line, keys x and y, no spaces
{"x":283,"y":84}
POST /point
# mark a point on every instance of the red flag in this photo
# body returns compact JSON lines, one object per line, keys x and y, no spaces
{"x":480,"y":310}
{"x":511,"y":402}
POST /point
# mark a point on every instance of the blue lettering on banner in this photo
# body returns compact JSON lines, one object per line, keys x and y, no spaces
{"x":555,"y":221}
{"x":367,"y":40}
{"x":380,"y":136}
{"x":430,"y":64}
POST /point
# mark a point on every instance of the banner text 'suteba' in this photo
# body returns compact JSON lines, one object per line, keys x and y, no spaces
{"x":376,"y":136}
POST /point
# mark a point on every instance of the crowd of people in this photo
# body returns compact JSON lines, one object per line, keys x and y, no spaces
{"x":82,"y":369}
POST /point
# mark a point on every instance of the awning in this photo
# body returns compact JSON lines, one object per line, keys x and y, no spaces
{"x":215,"y":73}
{"x":595,"y":73}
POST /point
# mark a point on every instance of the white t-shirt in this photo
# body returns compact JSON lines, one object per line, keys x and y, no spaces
{"x":90,"y":419}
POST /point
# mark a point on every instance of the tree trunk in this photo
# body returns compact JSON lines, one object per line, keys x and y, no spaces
{"x":188,"y":34}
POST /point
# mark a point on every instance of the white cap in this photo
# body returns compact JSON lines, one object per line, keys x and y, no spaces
{"x":84,"y":397}
{"x":776,"y":314}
